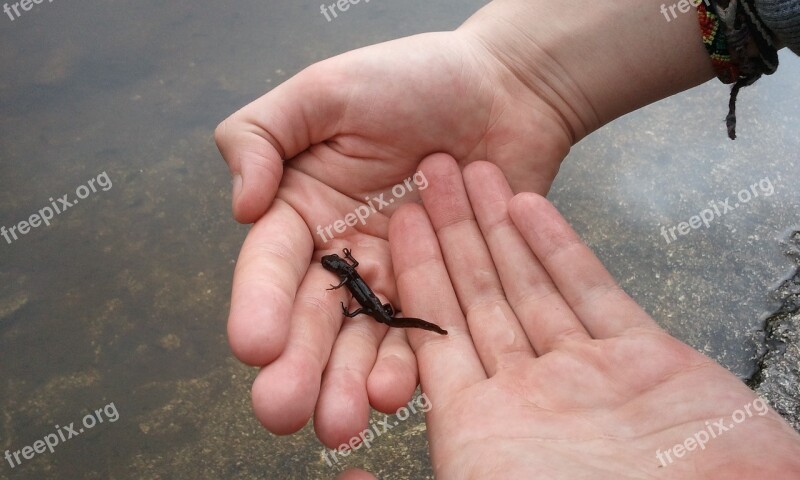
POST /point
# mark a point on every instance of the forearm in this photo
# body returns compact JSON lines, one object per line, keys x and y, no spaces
{"x":594,"y":61}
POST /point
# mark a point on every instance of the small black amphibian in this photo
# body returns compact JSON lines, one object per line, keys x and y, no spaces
{"x":370,"y":303}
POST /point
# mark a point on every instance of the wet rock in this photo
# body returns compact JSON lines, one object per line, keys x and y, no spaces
{"x":778,"y":377}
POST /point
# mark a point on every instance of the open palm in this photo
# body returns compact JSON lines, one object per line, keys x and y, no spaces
{"x":550,"y":370}
{"x":312,"y":151}
{"x":612,"y":408}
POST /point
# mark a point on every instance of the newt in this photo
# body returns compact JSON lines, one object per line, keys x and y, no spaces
{"x":370,"y":303}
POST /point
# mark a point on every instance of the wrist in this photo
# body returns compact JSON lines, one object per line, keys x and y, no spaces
{"x":593,"y":61}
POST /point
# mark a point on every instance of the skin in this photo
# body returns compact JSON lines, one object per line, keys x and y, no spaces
{"x":551,"y":370}
{"x":516,"y":85}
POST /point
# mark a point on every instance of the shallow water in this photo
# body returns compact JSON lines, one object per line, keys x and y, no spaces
{"x":123,"y":299}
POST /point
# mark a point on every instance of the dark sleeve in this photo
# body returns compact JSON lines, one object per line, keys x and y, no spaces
{"x":783,"y":18}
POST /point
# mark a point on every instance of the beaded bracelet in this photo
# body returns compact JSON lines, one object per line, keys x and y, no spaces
{"x":739,"y":44}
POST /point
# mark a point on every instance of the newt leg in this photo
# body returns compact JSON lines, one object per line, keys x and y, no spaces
{"x":387,"y":307}
{"x":349,"y":255}
{"x":338,"y":286}
{"x":350,"y":314}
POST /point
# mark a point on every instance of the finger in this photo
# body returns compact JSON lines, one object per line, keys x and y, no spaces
{"x":493,"y":325}
{"x":393,"y":379}
{"x":343,"y":407}
{"x":355,"y":474}
{"x":447,"y":364}
{"x":547,"y":319}
{"x":285,"y":392}
{"x":271,"y":265}
{"x":603,"y":308}
{"x":257,"y":139}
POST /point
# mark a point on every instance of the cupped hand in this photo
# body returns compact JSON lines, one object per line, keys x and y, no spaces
{"x":318,"y":147}
{"x":550,"y":370}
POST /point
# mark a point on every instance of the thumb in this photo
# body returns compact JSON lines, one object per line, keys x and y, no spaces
{"x":256,"y":140}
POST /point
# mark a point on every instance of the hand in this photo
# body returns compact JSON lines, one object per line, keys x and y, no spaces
{"x":552,"y":371}
{"x":306,"y":154}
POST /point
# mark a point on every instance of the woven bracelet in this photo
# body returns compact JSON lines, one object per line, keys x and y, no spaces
{"x":739,"y":44}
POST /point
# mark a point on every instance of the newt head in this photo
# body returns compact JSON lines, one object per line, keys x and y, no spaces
{"x":334,"y":263}
{"x":339,"y":265}
{"x":331,"y":262}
